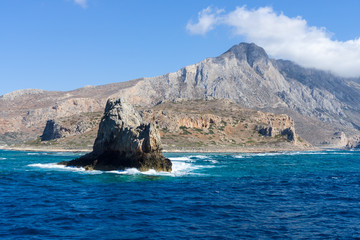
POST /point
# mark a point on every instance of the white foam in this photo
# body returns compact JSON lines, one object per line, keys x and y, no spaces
{"x":37,"y":154}
{"x":181,"y":166}
{"x":2,"y":158}
{"x":129,"y":171}
{"x":265,"y":154}
{"x":343,"y":153}
{"x":178,"y":169}
{"x":282,"y":154}
{"x":212,"y":161}
{"x":305,"y":153}
{"x":181,"y":159}
{"x":245,"y":155}
{"x":56,"y":166}
{"x":199,"y":157}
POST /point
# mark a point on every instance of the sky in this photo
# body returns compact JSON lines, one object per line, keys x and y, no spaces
{"x":67,"y":44}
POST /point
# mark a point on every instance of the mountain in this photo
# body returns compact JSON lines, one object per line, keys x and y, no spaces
{"x":186,"y":126}
{"x":321,"y":103}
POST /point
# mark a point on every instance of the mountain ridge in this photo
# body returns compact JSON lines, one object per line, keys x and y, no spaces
{"x":316,"y":100}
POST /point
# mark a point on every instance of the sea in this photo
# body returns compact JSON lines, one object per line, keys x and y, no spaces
{"x":283,"y":195}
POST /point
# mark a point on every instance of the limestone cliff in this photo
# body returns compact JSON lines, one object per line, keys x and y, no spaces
{"x":353,"y":142}
{"x":212,"y":125}
{"x":319,"y":102}
{"x":124,"y":141}
{"x":70,"y":126}
{"x":221,"y":125}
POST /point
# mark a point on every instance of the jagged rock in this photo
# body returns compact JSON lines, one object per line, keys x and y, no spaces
{"x":339,"y":140}
{"x":124,"y":141}
{"x":353,"y":142}
{"x":270,"y":131}
{"x":289,"y":133}
{"x":221,"y":125}
{"x":318,"y":101}
{"x":54,"y":129}
{"x":266,"y":131}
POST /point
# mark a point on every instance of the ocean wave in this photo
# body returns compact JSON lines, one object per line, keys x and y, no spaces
{"x":2,"y":158}
{"x":191,"y":158}
{"x":211,"y":160}
{"x":182,"y":159}
{"x":306,"y":153}
{"x":37,"y":153}
{"x":256,"y":155}
{"x":68,"y":154}
{"x":179,"y":168}
{"x":286,"y":154}
{"x":179,"y":158}
{"x":134,"y":171}
{"x":199,"y":157}
{"x":56,"y":166}
{"x":334,"y":152}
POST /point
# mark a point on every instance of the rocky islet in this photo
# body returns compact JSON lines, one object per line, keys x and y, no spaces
{"x":124,"y":141}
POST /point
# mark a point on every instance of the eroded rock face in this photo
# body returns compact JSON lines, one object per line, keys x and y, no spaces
{"x":353,"y":142}
{"x":270,"y":131}
{"x":55,"y":129}
{"x":124,"y":141}
{"x":52,"y":131}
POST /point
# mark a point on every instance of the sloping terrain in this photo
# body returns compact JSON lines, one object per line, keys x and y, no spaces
{"x":197,"y":125}
{"x":320,"y":103}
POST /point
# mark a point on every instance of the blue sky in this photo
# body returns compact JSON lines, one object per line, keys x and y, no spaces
{"x":67,"y":44}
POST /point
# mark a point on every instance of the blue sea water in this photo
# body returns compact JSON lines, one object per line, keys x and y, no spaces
{"x":289,"y":195}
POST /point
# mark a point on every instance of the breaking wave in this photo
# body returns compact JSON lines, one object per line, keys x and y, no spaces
{"x":245,"y":155}
{"x":55,"y":166}
{"x":181,"y":166}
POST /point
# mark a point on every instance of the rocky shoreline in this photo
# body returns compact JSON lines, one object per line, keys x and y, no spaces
{"x":124,"y":140}
{"x":46,"y":149}
{"x":194,"y":150}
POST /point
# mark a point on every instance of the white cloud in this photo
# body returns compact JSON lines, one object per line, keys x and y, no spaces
{"x":207,"y":19}
{"x":82,"y":3}
{"x":285,"y":37}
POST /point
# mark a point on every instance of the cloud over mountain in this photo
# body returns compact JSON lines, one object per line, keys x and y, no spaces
{"x":285,"y":37}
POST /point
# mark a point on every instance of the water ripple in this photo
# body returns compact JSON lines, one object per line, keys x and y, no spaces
{"x":312,"y":195}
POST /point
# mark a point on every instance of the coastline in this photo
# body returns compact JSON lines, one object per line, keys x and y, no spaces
{"x":242,"y":150}
{"x":193,"y":150}
{"x":34,"y":149}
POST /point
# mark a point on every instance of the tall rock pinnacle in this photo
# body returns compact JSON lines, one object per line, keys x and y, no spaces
{"x":124,"y":141}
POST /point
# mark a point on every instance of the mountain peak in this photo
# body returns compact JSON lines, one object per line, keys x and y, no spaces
{"x":249,"y":52}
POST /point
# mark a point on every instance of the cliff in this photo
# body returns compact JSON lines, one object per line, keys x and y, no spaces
{"x":216,"y":125}
{"x":124,"y":141}
{"x":320,"y":103}
{"x":202,"y":125}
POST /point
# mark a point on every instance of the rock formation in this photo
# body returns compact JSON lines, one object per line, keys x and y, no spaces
{"x":270,"y":131}
{"x":353,"y":142}
{"x":221,"y":125}
{"x":70,"y":126}
{"x":319,"y":102}
{"x":52,"y":131}
{"x":124,"y":141}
